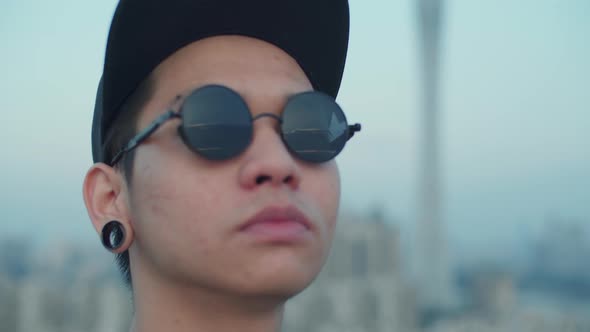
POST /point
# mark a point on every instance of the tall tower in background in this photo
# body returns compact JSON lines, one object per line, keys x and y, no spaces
{"x":432,"y":257}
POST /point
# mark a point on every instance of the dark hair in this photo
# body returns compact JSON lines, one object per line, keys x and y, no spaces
{"x":121,"y":131}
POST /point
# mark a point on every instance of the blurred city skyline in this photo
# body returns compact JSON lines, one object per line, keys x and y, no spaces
{"x":514,"y":115}
{"x":363,"y":286}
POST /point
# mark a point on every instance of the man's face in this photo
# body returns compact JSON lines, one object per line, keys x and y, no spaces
{"x":188,"y":213}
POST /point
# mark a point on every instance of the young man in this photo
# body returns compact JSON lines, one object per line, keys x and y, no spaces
{"x":214,"y":137}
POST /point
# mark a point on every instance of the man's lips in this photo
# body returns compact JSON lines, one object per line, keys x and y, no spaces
{"x":274,"y":223}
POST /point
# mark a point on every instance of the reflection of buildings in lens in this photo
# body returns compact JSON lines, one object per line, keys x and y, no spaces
{"x":336,"y":128}
{"x":309,"y":141}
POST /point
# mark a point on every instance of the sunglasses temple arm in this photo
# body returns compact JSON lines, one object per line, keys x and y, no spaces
{"x":353,"y":129}
{"x":144,"y":134}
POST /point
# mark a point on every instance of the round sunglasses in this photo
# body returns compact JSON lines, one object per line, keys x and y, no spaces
{"x":217,"y":125}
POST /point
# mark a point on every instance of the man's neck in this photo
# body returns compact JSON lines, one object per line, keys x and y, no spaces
{"x":189,"y":309}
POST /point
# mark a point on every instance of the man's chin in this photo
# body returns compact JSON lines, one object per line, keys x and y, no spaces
{"x":282,"y":287}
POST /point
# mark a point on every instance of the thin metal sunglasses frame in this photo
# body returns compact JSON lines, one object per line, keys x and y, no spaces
{"x":172,"y":114}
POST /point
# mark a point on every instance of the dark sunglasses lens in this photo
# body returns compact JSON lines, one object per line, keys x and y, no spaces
{"x":314,"y":127}
{"x":216,"y":123}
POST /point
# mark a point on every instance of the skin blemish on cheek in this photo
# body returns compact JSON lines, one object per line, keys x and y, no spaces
{"x":155,"y":207}
{"x":150,"y":195}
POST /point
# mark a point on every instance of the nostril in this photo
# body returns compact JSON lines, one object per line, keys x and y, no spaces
{"x":262,"y":178}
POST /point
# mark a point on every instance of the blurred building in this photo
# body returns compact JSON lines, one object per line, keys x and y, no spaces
{"x":361,"y":287}
{"x":8,"y":305}
{"x":64,"y":289}
{"x":522,"y":320}
{"x":558,"y":262}
{"x":90,"y":307}
{"x":493,"y":294}
{"x":431,"y":253}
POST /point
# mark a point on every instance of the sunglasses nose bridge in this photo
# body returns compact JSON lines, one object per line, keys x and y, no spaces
{"x":275,"y":121}
{"x":269,"y":115}
{"x":268,"y":135}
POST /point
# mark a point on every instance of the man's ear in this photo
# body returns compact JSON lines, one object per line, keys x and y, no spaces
{"x":105,"y":195}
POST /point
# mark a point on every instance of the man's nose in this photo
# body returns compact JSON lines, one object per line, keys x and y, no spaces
{"x":267,"y":160}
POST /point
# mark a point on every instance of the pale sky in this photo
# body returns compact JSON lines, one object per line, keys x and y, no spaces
{"x":515,"y":114}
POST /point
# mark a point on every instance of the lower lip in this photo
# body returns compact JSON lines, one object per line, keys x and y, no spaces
{"x":277,"y":231}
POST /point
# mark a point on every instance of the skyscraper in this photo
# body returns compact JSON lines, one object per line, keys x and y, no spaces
{"x":432,"y":260}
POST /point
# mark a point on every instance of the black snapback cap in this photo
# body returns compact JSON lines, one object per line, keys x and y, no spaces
{"x":144,"y":33}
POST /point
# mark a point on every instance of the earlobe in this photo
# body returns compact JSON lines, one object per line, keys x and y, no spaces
{"x":105,"y":197}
